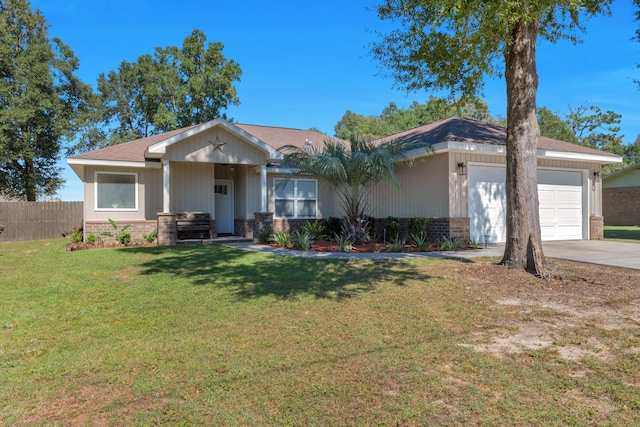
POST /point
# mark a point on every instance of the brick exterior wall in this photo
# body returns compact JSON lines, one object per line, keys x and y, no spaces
{"x":288,"y":225}
{"x":621,"y":206}
{"x":137,"y":229}
{"x":437,"y":228}
{"x":457,"y":228}
{"x":167,"y":233}
{"x":596,"y":228}
{"x":243,"y":227}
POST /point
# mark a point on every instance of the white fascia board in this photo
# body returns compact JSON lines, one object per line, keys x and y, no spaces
{"x":159,"y":149}
{"x":282,"y":170}
{"x":465,"y":147}
{"x":114,"y":163}
{"x":583,"y":157}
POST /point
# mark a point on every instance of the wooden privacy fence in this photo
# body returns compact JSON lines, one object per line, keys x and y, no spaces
{"x":38,"y":220}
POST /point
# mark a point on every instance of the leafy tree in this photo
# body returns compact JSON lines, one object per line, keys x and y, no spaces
{"x":455,"y":45}
{"x":42,"y":102}
{"x":351,"y":169}
{"x":596,"y":130}
{"x":552,"y":126}
{"x":394,"y":119}
{"x":631,"y":154}
{"x":170,"y":89}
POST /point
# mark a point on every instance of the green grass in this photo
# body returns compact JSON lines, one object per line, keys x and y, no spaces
{"x":207,"y":335}
{"x":623,"y":233}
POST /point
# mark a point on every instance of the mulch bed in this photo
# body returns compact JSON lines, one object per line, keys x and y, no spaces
{"x":71,"y":247}
{"x":332,"y":246}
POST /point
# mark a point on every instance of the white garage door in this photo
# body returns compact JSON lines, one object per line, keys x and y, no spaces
{"x":560,"y":198}
{"x":559,"y":195}
{"x":487,"y":204}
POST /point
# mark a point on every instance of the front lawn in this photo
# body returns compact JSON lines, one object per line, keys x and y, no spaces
{"x":208,"y":335}
{"x":622,"y":233}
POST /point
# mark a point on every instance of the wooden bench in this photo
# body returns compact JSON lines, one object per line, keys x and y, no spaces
{"x":193,"y":225}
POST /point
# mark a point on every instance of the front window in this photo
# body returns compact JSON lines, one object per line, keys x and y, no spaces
{"x":296,"y":198}
{"x":116,"y":191}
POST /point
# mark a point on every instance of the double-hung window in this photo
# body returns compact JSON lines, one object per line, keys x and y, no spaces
{"x":116,"y":191}
{"x":296,"y":198}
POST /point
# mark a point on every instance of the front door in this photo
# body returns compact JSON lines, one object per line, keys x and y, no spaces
{"x":224,"y":206}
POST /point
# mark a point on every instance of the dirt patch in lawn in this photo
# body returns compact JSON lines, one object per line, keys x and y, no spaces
{"x":560,"y":312}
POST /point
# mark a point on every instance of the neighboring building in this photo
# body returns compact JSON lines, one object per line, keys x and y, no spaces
{"x":621,"y":196}
{"x":232,"y":172}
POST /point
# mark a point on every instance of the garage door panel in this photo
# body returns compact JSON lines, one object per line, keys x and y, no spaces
{"x":560,"y":196}
{"x":568,"y":214}
{"x":487,"y":199}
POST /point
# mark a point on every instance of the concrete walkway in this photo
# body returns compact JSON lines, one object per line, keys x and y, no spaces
{"x":602,"y":252}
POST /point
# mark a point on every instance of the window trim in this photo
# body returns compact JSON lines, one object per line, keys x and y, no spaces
{"x":295,"y":198}
{"x":95,"y":192}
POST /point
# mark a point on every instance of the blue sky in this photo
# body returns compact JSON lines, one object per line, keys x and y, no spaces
{"x":305,"y":63}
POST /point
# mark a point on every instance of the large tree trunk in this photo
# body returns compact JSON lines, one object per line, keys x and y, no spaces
{"x":523,"y":249}
{"x":30,"y":180}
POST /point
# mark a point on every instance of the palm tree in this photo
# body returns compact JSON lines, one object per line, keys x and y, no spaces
{"x":352,"y":168}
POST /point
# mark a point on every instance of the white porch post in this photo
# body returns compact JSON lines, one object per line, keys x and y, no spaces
{"x":166,"y":202}
{"x":263,"y":188}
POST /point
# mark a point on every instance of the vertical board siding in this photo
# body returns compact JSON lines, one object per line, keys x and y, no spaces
{"x":38,"y":220}
{"x":423,"y":191}
{"x":198,"y":148}
{"x":192,"y":187}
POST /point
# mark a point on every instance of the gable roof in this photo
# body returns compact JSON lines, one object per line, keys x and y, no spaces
{"x":457,"y":133}
{"x":267,"y":138}
{"x":451,"y":134}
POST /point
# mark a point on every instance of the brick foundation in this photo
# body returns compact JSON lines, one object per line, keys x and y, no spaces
{"x":136,"y":228}
{"x":262,"y":220}
{"x":596,"y":227}
{"x":288,"y":225}
{"x":167,"y":233}
{"x":621,"y":206}
{"x":457,"y":228}
{"x":437,"y":228}
{"x":243,"y":227}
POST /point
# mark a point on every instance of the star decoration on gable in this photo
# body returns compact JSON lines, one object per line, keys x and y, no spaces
{"x":217,"y":145}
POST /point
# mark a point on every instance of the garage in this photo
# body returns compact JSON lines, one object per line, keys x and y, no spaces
{"x":560,"y":194}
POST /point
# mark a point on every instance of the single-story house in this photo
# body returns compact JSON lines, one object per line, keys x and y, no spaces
{"x":621,"y":196}
{"x":233,"y":174}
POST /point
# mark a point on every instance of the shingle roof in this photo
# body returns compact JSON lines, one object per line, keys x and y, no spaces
{"x":278,"y":137}
{"x":457,"y":129}
{"x":275,"y":137}
{"x":132,"y":151}
{"x":453,"y":129}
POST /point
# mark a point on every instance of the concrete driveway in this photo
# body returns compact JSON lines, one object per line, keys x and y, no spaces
{"x":617,"y":254}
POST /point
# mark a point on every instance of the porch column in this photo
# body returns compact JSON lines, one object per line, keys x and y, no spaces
{"x":263,"y":188}
{"x":166,"y":202}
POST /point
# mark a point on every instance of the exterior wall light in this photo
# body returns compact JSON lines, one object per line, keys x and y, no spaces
{"x":596,"y":176}
{"x":463,"y":168}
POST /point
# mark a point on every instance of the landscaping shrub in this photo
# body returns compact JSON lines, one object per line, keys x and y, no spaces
{"x":93,"y":239}
{"x":301,"y":240}
{"x":333,"y":226}
{"x":420,"y":240}
{"x":122,"y":235}
{"x":151,"y":236}
{"x":265,"y":235}
{"x":345,"y":244}
{"x":418,"y":225}
{"x":314,"y":229}
{"x":282,"y":239}
{"x":395,"y":245}
{"x":75,"y":235}
{"x":392,"y":229}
